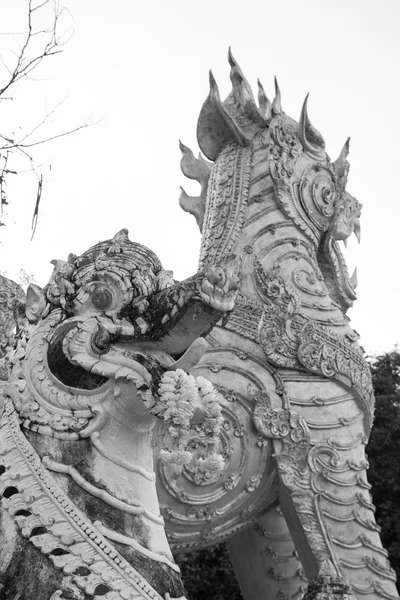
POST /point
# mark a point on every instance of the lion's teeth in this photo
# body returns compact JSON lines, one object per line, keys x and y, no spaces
{"x":354,"y":280}
{"x":345,"y":242}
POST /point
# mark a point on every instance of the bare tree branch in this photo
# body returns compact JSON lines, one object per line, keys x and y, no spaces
{"x":36,"y":211}
{"x":20,"y":145}
{"x":40,"y":40}
{"x":3,"y":173}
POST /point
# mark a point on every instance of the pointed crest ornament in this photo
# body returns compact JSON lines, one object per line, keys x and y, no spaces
{"x":312,"y":141}
{"x":264,"y":103}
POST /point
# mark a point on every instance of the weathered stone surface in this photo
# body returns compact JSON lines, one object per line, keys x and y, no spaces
{"x":90,"y":370}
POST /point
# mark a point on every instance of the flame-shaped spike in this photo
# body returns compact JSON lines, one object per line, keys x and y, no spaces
{"x":195,"y":205}
{"x":218,"y":122}
{"x":214,"y":91}
{"x":241,"y":99}
{"x":235,"y":69}
{"x":340,"y":164}
{"x":186,"y":160}
{"x":184,"y":149}
{"x":346,"y":149}
{"x":264,"y":103}
{"x":199,"y":170}
{"x":277,"y":101}
{"x":310,"y":138}
{"x":216,"y":125}
{"x":194,"y":168}
{"x":354,"y":279}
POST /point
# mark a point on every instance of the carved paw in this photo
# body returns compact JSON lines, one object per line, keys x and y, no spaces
{"x":220,"y":285}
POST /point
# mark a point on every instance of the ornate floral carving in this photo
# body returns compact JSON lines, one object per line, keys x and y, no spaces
{"x":244,"y":483}
{"x":284,"y":425}
{"x":280,"y":304}
{"x":285,"y":149}
{"x":180,"y":397}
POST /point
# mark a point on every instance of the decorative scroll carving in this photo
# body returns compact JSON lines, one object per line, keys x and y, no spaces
{"x":280,"y":303}
{"x":290,"y":429}
{"x":284,"y":425}
{"x":285,"y":149}
{"x":292,"y":340}
{"x":324,"y":352}
{"x":226,"y":202}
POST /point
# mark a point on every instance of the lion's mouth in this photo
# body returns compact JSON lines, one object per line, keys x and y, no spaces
{"x":342,"y":287}
{"x":64,"y":370}
{"x":87,"y":358}
{"x":349,"y":283}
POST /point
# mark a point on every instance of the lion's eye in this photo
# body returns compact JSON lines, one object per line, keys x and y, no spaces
{"x":102,"y":298}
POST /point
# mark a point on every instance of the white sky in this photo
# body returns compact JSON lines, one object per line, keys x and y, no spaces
{"x":142,"y":68}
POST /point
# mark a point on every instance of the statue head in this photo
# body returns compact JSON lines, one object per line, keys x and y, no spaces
{"x":109,"y":323}
{"x":308,"y":186}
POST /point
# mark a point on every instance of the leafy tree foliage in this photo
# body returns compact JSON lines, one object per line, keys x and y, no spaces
{"x":384,"y":452}
{"x":385,"y":370}
{"x":208,"y":574}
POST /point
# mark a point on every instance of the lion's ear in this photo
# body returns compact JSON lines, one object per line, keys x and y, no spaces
{"x":35,"y":302}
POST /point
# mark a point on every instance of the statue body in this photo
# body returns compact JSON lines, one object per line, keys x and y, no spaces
{"x":293,"y":500}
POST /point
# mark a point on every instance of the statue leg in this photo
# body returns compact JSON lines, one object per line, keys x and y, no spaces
{"x":266,"y":562}
{"x":324,"y":493}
